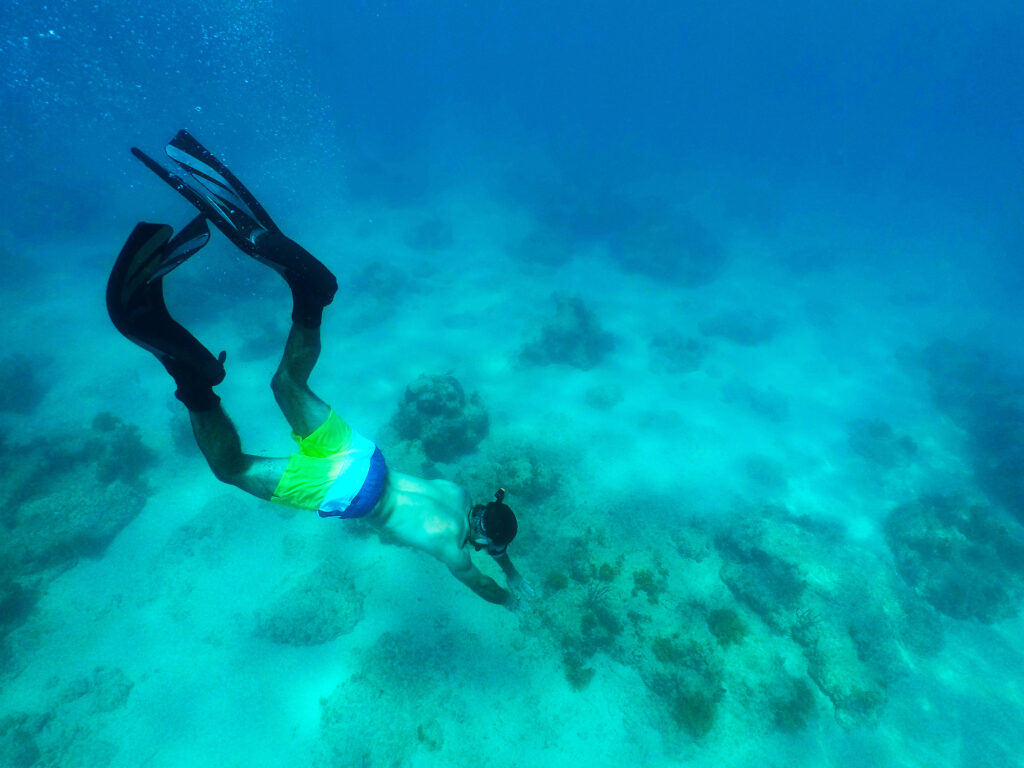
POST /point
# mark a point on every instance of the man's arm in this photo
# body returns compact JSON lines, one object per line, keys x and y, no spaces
{"x":506,"y":567}
{"x":516,"y":583}
{"x":483,"y":585}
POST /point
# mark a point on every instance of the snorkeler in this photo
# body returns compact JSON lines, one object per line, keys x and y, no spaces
{"x":336,"y":470}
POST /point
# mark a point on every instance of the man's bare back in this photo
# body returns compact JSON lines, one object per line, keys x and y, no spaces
{"x":434,"y":516}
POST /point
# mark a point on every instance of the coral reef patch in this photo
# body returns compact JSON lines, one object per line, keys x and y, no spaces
{"x":381,"y":280}
{"x":437,"y":413}
{"x":23,"y":384}
{"x":673,"y":352}
{"x":677,"y":249}
{"x":706,"y":619}
{"x":64,"y":734}
{"x":875,"y":441}
{"x":401,"y":667}
{"x":965,"y":559}
{"x":523,"y":469}
{"x":317,"y":607}
{"x":63,"y":498}
{"x":984,"y":395}
{"x":572,"y":337}
{"x":603,"y":397}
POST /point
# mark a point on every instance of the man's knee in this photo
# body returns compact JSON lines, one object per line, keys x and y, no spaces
{"x":286,"y":387}
{"x":254,"y":475}
{"x":231,"y":472}
{"x":280,"y":382}
{"x":260,"y":477}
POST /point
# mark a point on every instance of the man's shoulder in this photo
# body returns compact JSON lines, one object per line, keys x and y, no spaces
{"x":446,"y":494}
{"x":431,"y":487}
{"x":454,"y":490}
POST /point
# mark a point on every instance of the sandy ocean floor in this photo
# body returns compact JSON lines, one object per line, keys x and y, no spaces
{"x":218,"y":630}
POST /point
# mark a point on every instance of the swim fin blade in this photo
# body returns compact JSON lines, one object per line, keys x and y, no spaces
{"x":135,"y":300}
{"x":208,"y":184}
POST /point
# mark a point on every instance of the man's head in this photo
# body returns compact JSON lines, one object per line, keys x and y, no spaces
{"x":493,"y":525}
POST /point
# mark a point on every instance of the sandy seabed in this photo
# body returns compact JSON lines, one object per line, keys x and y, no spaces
{"x":702,"y":513}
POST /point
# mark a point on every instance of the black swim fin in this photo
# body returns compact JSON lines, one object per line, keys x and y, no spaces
{"x":208,"y":184}
{"x":135,"y":302}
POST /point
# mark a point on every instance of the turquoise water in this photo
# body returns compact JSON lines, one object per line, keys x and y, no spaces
{"x":736,"y":288}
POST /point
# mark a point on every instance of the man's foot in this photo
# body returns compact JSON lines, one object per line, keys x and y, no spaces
{"x":313,"y":285}
{"x":135,"y":301}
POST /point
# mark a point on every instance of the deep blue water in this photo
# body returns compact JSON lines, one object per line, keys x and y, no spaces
{"x":924,"y":94}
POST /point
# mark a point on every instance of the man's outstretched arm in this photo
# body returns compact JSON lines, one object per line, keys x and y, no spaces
{"x":483,"y":585}
{"x":516,"y":583}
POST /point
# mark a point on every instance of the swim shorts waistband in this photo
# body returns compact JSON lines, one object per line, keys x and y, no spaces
{"x":339,"y":502}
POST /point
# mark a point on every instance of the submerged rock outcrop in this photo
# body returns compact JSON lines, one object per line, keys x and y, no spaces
{"x":437,"y":413}
{"x":967,"y":560}
{"x":574,"y":336}
{"x":63,"y":498}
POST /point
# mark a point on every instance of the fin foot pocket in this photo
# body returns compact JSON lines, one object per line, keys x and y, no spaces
{"x":312,"y":284}
{"x":135,"y":302}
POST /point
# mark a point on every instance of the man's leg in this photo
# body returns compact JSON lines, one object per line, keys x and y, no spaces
{"x":135,"y":301}
{"x":300,"y":406}
{"x":218,"y":440}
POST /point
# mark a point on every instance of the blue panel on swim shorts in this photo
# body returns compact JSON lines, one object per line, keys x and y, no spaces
{"x":364,"y":501}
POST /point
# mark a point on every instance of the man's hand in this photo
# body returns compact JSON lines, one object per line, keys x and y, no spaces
{"x":521,"y":588}
{"x":512,"y":602}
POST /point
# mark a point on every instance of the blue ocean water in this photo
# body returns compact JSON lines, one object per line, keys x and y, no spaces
{"x":726,"y":297}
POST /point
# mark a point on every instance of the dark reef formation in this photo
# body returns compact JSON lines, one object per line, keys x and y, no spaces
{"x":962,"y":558}
{"x":677,"y":249}
{"x":603,"y":397}
{"x":643,"y":233}
{"x":572,"y":337}
{"x":526,"y":472}
{"x":400,"y":668}
{"x":436,"y":413}
{"x":23,"y":383}
{"x":786,"y":586}
{"x":984,"y":395}
{"x":263,"y":336}
{"x":61,"y":499}
{"x":578,"y":209}
{"x":672,"y":352}
{"x":319,"y":606}
{"x":875,"y":441}
{"x":845,"y":610}
{"x":768,"y":584}
{"x":59,"y":735}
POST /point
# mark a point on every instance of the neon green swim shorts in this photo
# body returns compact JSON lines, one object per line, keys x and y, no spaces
{"x":337,"y":472}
